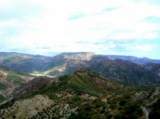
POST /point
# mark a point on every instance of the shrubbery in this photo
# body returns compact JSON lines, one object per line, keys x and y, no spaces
{"x":155,"y":113}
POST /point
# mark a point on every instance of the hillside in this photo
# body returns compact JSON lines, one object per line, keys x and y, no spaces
{"x":153,"y":68}
{"x":9,"y":80}
{"x":23,"y":62}
{"x":123,"y":71}
{"x":84,"y":94}
{"x":31,"y":86}
{"x":114,"y":69}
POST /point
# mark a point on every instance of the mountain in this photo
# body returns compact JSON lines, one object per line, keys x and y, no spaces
{"x":81,"y":56}
{"x":10,"y":80}
{"x":123,"y":71}
{"x":84,"y":95}
{"x":115,"y":69}
{"x":67,"y":63}
{"x":33,"y":85}
{"x":133,"y":59}
{"x":36,"y":63}
{"x":23,"y":62}
{"x":85,"y":81}
{"x":88,"y":86}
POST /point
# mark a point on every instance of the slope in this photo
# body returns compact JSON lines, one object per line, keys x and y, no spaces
{"x":23,"y":62}
{"x":115,"y":69}
{"x":153,"y":68}
{"x":83,"y":94}
{"x":67,"y":63}
{"x":123,"y":71}
{"x":9,"y":80}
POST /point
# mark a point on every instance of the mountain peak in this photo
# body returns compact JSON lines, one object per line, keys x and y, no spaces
{"x":78,"y":55}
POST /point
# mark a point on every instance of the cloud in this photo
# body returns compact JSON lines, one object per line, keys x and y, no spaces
{"x":17,"y":9}
{"x":76,"y":16}
{"x":144,"y":47}
{"x":101,"y":26}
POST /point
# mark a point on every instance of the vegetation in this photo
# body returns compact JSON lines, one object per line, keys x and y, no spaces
{"x":7,"y":104}
{"x":87,"y":95}
{"x":15,"y":78}
{"x":66,"y":63}
{"x":2,"y":86}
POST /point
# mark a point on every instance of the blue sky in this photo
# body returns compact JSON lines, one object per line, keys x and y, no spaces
{"x":121,"y":27}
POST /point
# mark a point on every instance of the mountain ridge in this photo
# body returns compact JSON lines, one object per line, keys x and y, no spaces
{"x":66,"y":63}
{"x":137,"y":60}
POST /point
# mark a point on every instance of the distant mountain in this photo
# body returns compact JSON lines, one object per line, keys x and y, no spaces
{"x":84,"y":95}
{"x":123,"y":71}
{"x":115,"y":69}
{"x":23,"y":62}
{"x":111,"y":67}
{"x":133,"y":59}
{"x":67,"y":63}
{"x":82,"y":56}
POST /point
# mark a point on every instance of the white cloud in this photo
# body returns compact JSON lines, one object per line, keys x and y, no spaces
{"x":144,"y":48}
{"x":52,"y":28}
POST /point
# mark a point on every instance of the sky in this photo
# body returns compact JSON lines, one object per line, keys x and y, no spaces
{"x":48,"y":27}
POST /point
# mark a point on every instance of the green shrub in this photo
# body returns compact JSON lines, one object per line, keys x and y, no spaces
{"x":2,"y":86}
{"x":15,"y":78}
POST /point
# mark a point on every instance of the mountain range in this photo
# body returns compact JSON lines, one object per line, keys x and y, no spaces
{"x":136,"y":60}
{"x":126,"y":69}
{"x":78,"y":86}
